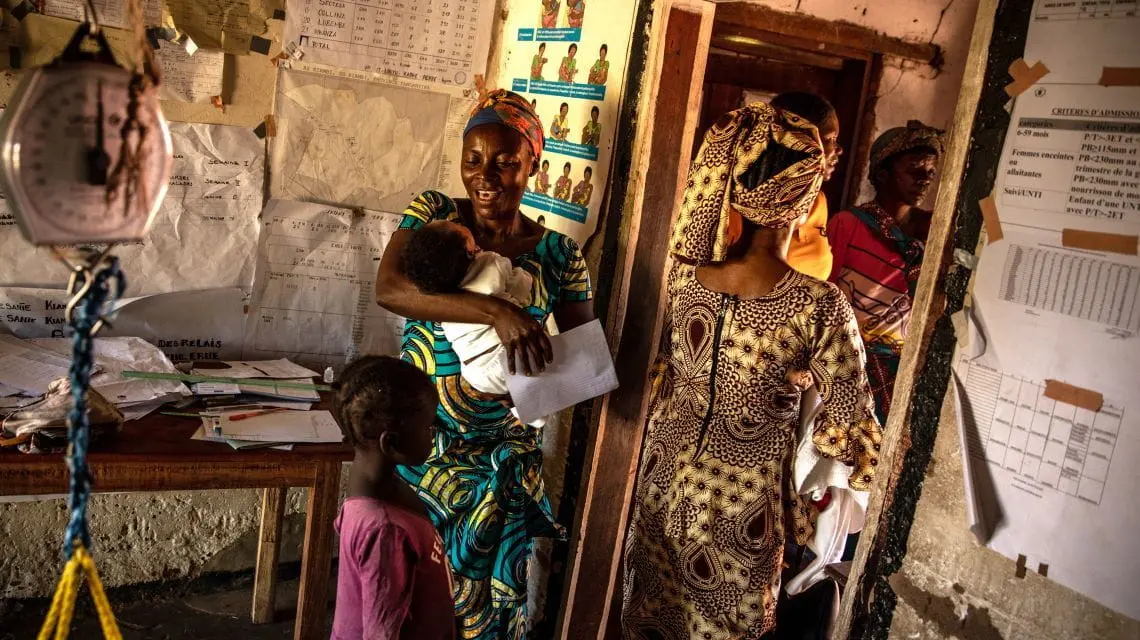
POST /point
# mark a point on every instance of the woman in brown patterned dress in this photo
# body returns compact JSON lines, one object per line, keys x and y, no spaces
{"x":714,"y":503}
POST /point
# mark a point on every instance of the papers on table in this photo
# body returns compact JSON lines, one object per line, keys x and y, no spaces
{"x":283,"y":393}
{"x":113,"y":356}
{"x":281,"y":368}
{"x":134,"y":397}
{"x":204,"y":433}
{"x":267,"y":424}
{"x":215,"y":389}
{"x":282,"y":426}
{"x":582,"y":369}
{"x":27,"y":367}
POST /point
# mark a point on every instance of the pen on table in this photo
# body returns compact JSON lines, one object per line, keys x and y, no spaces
{"x":254,"y":414}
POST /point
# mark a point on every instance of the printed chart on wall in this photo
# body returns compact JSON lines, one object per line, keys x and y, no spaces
{"x":314,"y":289}
{"x":435,"y":41}
{"x":1047,"y":382}
{"x":570,"y":60}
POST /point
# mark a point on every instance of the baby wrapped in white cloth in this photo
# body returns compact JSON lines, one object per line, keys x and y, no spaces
{"x":442,"y":257}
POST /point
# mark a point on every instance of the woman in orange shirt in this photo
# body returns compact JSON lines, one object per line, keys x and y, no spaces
{"x":809,"y":252}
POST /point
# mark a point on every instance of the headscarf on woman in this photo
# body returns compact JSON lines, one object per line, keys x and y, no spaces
{"x":511,"y":110}
{"x":892,"y":142}
{"x":733,"y":176}
{"x":915,"y":135}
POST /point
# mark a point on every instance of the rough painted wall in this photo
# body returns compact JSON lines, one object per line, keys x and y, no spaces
{"x":908,"y":90}
{"x":934,"y":580}
{"x":951,"y":587}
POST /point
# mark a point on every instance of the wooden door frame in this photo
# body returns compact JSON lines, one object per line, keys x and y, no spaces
{"x":653,"y":186}
{"x":929,"y":307}
{"x":681,"y":32}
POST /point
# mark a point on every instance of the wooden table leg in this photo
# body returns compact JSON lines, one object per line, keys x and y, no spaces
{"x":316,"y":560}
{"x":268,"y":548}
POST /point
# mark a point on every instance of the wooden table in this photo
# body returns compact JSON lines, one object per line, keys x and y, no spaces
{"x":157,"y":454}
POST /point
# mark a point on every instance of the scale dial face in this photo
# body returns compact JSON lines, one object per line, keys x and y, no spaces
{"x":62,"y":131}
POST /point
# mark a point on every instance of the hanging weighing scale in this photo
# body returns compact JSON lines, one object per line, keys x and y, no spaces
{"x":85,"y":158}
{"x":65,"y":134}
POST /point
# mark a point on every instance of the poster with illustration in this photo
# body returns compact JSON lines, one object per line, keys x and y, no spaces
{"x":559,"y":56}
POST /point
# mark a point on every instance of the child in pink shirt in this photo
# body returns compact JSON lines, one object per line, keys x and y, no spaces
{"x":394,"y":582}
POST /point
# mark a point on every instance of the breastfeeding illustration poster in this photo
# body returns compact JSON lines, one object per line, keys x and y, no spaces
{"x":570,"y":61}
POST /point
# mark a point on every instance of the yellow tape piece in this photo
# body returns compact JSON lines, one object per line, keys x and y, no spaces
{"x":62,"y":609}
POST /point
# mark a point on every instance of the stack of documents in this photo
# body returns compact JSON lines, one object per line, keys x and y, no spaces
{"x":135,"y":398}
{"x":252,"y":378}
{"x":253,"y":426}
{"x":27,"y":367}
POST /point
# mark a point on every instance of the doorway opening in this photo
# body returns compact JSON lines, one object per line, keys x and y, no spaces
{"x":703,"y":59}
{"x":747,"y":64}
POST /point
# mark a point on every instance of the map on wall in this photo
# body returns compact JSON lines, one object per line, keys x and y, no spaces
{"x":355,"y":143}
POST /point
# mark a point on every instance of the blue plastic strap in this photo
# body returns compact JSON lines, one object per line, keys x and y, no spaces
{"x":106,"y":286}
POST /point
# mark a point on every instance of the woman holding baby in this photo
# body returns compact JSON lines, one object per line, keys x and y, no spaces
{"x":483,"y":483}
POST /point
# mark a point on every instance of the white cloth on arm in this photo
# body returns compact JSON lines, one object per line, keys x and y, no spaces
{"x":477,"y":345}
{"x":814,"y":476}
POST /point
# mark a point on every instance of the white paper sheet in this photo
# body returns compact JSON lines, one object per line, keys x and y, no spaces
{"x":28,"y":367}
{"x":1063,"y":478}
{"x":582,"y":369}
{"x":190,"y":78}
{"x":313,"y":296}
{"x":1076,"y":39}
{"x":111,"y":13}
{"x":140,"y":411}
{"x":1071,"y":159}
{"x":285,"y":426}
{"x":282,"y":393}
{"x":215,"y":389}
{"x":280,"y":368}
{"x":204,"y":235}
{"x":205,"y":434}
{"x":115,"y":355}
{"x":1084,"y":307}
{"x":186,"y":326}
{"x":440,"y":42}
{"x":357,"y":139}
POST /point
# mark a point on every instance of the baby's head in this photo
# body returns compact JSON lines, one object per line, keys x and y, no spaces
{"x":386,"y":404}
{"x":438,"y":255}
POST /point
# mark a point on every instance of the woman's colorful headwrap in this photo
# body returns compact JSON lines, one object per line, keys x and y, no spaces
{"x":915,"y":135}
{"x":511,"y":110}
{"x":755,"y":162}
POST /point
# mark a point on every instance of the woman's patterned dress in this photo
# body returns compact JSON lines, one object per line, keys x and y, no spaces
{"x":714,"y":503}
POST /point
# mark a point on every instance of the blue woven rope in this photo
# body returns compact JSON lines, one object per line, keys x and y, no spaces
{"x":106,"y":287}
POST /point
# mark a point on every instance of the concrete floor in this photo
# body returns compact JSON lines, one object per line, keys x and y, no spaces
{"x":208,"y":608}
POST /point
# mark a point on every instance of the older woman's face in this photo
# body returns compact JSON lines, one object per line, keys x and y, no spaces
{"x":908,"y":176}
{"x":496,"y":164}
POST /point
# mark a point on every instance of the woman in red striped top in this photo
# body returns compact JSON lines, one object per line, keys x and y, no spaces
{"x":877,"y":248}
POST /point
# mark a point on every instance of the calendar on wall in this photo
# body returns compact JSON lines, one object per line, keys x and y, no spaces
{"x":437,"y":41}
